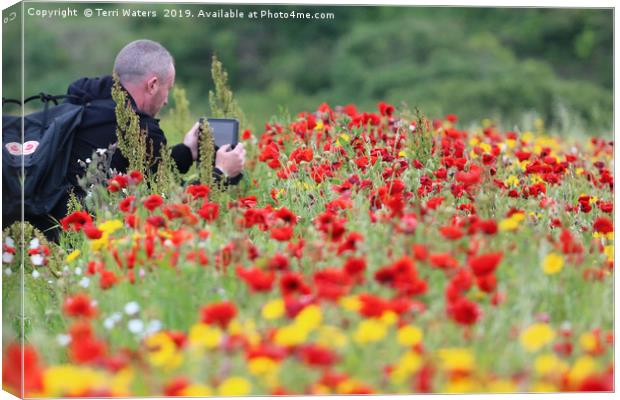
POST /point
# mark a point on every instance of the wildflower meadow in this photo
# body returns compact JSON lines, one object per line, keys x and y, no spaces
{"x":372,"y":251}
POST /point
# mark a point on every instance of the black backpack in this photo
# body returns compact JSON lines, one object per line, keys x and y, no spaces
{"x":35,"y":167}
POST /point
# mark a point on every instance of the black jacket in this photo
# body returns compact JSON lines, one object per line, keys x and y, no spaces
{"x":98,"y":129}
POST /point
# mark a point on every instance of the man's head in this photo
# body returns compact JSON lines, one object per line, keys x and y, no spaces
{"x":146,"y":69}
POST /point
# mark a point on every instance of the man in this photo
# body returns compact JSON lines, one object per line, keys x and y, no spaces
{"x":146,"y":71}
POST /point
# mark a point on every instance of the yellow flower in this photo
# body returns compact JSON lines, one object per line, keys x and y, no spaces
{"x":588,"y":341}
{"x":402,"y":153}
{"x":73,"y":256}
{"x":548,"y":364}
{"x":101,"y":243}
{"x":512,"y":223}
{"x":527,"y":136}
{"x":163,"y":351}
{"x":583,"y":367}
{"x":552,"y":264}
{"x":273,"y":309}
{"x":609,"y":252}
{"x":461,"y":385}
{"x":350,"y":303}
{"x":197,"y":390}
{"x":319,"y":125}
{"x":544,"y":387}
{"x":263,"y":366}
{"x":409,"y":335}
{"x":536,"y":336}
{"x":204,"y":336}
{"x":408,"y":364}
{"x":331,"y":336}
{"x":474,"y":141}
{"x":344,"y":137}
{"x":389,"y":317}
{"x":110,"y":226}
{"x":370,"y":330}
{"x":234,"y":386}
{"x":511,"y":143}
{"x":455,"y":358}
{"x":70,"y":380}
{"x":119,"y":385}
{"x":502,"y":386}
{"x":291,"y":335}
{"x":309,"y":318}
{"x":512,"y":181}
{"x":485,"y":147}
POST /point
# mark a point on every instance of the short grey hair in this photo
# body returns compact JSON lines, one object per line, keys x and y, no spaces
{"x":141,"y":57}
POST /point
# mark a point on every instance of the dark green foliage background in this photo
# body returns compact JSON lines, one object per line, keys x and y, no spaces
{"x":509,"y":64}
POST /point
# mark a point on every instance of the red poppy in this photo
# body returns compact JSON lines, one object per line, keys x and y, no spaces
{"x":209,"y":211}
{"x":107,"y":279}
{"x":127,"y":204}
{"x":372,"y":306}
{"x":451,"y":232}
{"x":14,"y":360}
{"x":317,"y":356}
{"x":286,"y":215}
{"x":603,"y":225}
{"x":256,"y":278}
{"x":92,"y":232}
{"x":87,"y":350}
{"x":443,"y":261}
{"x":282,"y":234}
{"x":79,"y":305}
{"x":218,"y":313}
{"x":293,"y":283}
{"x":355,"y":268}
{"x":175,"y":387}
{"x":76,"y":220}
{"x":486,"y":263}
{"x":198,"y":191}
{"x":153,"y":201}
{"x":278,"y":262}
{"x":464,"y":311}
{"x":385,"y":109}
{"x":451,"y":118}
{"x":117,"y":183}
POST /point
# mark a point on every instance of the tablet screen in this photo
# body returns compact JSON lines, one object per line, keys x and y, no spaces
{"x":225,"y":131}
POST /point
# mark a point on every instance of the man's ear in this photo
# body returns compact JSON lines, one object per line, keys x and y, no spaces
{"x":152,"y":84}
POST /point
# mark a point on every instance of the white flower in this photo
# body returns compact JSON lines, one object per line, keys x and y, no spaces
{"x":9,"y":241}
{"x":101,"y":151}
{"x":94,"y":303}
{"x":84,"y":282}
{"x":34,"y":243}
{"x":36,"y":259}
{"x":7,"y":258}
{"x":116,"y":317}
{"x":141,"y":273}
{"x":135,"y":326}
{"x":65,"y":268}
{"x":88,"y":161}
{"x":8,"y":271}
{"x":109,"y":323}
{"x":35,"y":274}
{"x":78,"y":271}
{"x":153,"y":326}
{"x":132,"y":308}
{"x":63,"y":339}
{"x":168,"y":243}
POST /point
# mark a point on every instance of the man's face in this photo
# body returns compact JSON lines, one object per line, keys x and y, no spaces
{"x":158,"y":96}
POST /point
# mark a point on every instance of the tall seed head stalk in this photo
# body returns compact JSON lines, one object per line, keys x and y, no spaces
{"x":132,"y":141}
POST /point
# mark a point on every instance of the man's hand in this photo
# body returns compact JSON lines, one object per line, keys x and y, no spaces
{"x":230,"y":162}
{"x":191,"y":140}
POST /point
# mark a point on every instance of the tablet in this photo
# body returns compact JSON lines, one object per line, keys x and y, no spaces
{"x":225,"y":131}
